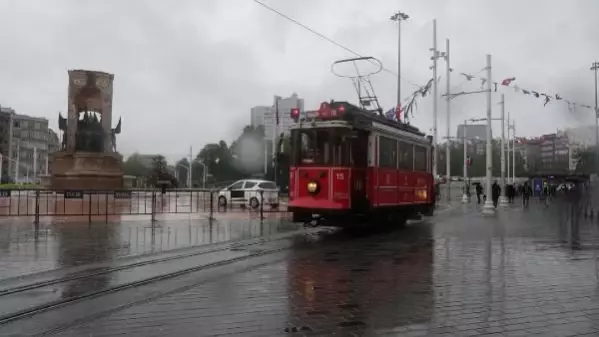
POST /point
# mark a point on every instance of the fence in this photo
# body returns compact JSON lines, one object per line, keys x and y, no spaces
{"x":150,"y":202}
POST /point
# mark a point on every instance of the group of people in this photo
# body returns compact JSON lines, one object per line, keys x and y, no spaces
{"x":512,"y":191}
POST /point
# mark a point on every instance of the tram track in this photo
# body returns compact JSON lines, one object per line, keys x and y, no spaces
{"x":32,"y":303}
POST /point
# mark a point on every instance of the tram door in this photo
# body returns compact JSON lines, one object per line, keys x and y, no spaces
{"x":359,"y":162}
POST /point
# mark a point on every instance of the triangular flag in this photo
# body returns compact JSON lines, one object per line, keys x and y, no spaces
{"x":508,"y":81}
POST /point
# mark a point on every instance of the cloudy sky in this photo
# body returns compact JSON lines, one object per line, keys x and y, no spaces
{"x":188,"y":72}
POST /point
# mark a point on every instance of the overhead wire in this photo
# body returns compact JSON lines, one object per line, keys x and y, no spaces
{"x":328,"y":39}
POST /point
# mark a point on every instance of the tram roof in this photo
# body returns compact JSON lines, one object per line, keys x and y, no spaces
{"x":359,"y":116}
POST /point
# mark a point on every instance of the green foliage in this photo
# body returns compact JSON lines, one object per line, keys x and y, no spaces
{"x":159,"y":172}
{"x":134,"y":166}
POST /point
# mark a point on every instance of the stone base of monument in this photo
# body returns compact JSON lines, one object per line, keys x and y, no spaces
{"x":86,"y":171}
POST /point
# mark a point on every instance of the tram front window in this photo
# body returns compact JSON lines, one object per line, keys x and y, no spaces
{"x":329,"y":147}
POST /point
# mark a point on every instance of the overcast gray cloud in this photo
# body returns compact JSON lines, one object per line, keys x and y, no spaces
{"x":187,"y":72}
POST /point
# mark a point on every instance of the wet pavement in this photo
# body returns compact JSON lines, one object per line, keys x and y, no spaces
{"x":520,"y":273}
{"x":64,"y":243}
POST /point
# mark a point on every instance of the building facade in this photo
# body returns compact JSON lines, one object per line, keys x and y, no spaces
{"x":283,"y":106}
{"x":473,"y":131}
{"x":257,"y":114}
{"x":29,"y":147}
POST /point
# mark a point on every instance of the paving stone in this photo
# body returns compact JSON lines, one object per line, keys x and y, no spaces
{"x":460,"y":274}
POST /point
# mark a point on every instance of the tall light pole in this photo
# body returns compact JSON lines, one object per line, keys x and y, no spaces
{"x":435,"y":56}
{"x":513,"y":151}
{"x":509,"y":140}
{"x":488,"y":208}
{"x":399,"y":17}
{"x":594,"y":68}
{"x":465,"y":195}
{"x":189,"y":174}
{"x":503,"y":201}
{"x":448,"y":99}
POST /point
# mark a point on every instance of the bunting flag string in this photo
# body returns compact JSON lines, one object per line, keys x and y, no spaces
{"x":546,"y":98}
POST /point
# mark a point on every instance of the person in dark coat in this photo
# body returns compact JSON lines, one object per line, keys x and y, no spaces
{"x":495,"y":193}
{"x":479,"y":192}
{"x":526,"y":193}
{"x":510,"y":192}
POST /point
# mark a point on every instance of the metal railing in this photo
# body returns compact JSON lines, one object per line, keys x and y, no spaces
{"x":95,"y":204}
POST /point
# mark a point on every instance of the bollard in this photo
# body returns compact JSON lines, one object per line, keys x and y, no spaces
{"x":261,"y":206}
{"x":89,"y":208}
{"x":211,"y":214}
{"x":153,"y":207}
{"x":36,"y":220}
{"x":198,"y":202}
{"x":106,"y":208}
{"x":190,"y":200}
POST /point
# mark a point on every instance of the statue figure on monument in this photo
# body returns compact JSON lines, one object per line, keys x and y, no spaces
{"x":114,"y":132}
{"x":62,"y":126}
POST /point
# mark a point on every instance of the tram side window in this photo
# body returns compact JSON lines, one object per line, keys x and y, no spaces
{"x":420,"y":158}
{"x":387,"y":152}
{"x":406,"y":160}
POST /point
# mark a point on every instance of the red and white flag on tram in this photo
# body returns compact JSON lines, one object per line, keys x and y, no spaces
{"x":398,"y":111}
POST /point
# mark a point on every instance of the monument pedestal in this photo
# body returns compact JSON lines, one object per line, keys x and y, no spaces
{"x":86,"y":171}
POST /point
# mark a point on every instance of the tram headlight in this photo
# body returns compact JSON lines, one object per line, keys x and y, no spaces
{"x":313,"y":187}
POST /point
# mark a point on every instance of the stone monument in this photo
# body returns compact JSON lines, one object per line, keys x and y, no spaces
{"x":88,"y":158}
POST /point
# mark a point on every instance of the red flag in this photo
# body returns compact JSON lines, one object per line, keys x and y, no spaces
{"x":508,"y":81}
{"x":398,"y":112}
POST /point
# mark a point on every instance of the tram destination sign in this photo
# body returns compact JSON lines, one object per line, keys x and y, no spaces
{"x":71,"y":194}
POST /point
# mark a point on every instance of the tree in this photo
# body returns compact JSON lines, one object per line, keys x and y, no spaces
{"x":182,"y":169}
{"x":134,"y":166}
{"x":159,"y":172}
{"x":219,"y":161}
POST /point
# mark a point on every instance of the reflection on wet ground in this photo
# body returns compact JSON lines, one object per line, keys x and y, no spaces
{"x":26,"y":249}
{"x":461,"y":274}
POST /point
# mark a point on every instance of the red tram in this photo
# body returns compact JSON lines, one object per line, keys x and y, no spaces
{"x":349,"y":164}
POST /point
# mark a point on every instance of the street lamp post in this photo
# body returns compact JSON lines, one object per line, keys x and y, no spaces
{"x":434,"y":58}
{"x":399,"y":17}
{"x":503,"y":201}
{"x":513,"y":151}
{"x":509,"y":140}
{"x":448,"y":98}
{"x":595,"y":68}
{"x":465,"y":195}
{"x":488,"y":208}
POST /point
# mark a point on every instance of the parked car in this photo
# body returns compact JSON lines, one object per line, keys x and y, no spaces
{"x":250,"y":192}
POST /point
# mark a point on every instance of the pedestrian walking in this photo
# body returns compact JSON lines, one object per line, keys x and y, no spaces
{"x":495,"y":193}
{"x":479,"y":192}
{"x":526,"y":193}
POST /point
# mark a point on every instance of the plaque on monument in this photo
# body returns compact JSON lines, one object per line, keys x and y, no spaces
{"x":122,"y":194}
{"x":73,"y":194}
